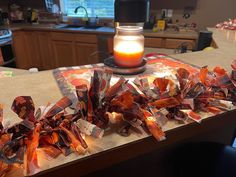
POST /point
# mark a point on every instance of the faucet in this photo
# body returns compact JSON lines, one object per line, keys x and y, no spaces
{"x":77,"y":8}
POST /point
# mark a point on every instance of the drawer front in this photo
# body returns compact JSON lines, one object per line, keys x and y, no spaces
{"x":86,"y":38}
{"x":175,"y":43}
{"x":62,"y":36}
{"x":153,"y":42}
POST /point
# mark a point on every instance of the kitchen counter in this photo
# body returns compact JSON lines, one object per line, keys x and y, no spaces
{"x":222,"y":56}
{"x":16,"y":72}
{"x":103,"y":30}
{"x":113,"y":148}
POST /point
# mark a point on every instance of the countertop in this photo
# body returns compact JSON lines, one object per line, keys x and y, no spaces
{"x":188,"y":34}
{"x":43,"y":88}
{"x":222,"y":56}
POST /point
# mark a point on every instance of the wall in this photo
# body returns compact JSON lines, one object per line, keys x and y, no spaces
{"x":206,"y":13}
{"x":39,"y":4}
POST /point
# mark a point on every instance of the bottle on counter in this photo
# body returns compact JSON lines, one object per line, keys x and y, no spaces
{"x":97,"y":20}
{"x":35,"y":16}
{"x":29,"y":15}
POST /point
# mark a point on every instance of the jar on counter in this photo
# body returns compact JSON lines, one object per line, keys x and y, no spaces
{"x":128,"y":46}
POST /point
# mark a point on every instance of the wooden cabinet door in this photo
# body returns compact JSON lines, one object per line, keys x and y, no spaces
{"x":33,"y":50}
{"x":175,"y":43}
{"x":153,"y":42}
{"x":86,"y":54}
{"x":20,"y":49}
{"x":46,"y":52}
{"x":64,"y":53}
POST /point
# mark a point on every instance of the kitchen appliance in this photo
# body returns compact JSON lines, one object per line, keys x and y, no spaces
{"x":132,"y":11}
{"x":204,"y":40}
{"x":128,"y":13}
{"x":6,"y":51}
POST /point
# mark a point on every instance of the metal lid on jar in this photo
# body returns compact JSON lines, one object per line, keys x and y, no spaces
{"x":129,"y":29}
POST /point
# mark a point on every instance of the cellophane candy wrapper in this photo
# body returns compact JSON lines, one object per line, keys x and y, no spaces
{"x":144,"y":86}
{"x":83,"y":100}
{"x":100,"y":83}
{"x":23,"y":106}
{"x":1,"y":119}
{"x":230,"y":24}
{"x":90,"y":129}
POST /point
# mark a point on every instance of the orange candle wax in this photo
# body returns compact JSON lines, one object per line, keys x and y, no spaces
{"x":128,"y":54}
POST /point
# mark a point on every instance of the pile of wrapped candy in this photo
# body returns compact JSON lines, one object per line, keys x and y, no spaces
{"x":230,"y":24}
{"x":135,"y":105}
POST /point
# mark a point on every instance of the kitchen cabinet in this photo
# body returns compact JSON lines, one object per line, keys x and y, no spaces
{"x":49,"y":50}
{"x":45,"y":49}
{"x":175,"y":43}
{"x":63,"y":49}
{"x":154,"y":42}
{"x":86,"y":48}
{"x":74,"y":49}
{"x":86,"y":53}
{"x":20,"y":49}
{"x":64,"y":53}
{"x":169,"y":43}
{"x":32,"y":49}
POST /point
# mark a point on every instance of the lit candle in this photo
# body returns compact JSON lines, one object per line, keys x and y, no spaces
{"x":129,"y":46}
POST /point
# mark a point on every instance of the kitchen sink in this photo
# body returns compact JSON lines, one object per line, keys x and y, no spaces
{"x":71,"y":26}
{"x":90,"y":27}
{"x":79,"y":27}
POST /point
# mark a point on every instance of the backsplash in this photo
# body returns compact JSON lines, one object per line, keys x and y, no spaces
{"x":206,"y":13}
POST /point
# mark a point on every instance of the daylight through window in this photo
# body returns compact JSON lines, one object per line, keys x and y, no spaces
{"x":100,"y":8}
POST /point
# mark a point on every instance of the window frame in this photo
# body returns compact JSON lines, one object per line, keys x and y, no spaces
{"x":63,"y":10}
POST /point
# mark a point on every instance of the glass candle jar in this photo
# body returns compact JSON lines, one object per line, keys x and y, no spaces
{"x":128,"y":46}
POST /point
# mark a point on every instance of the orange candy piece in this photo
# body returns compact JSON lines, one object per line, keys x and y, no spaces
{"x":161,"y":83}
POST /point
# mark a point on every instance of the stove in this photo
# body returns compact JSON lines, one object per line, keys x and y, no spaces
{"x":6,"y":52}
{"x":5,"y":36}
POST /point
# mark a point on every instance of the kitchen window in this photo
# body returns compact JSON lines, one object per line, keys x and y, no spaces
{"x":99,"y":8}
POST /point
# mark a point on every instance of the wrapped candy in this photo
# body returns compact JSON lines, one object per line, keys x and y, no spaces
{"x":233,"y":75}
{"x":89,"y":129}
{"x":189,"y":103}
{"x":115,"y":89}
{"x":31,"y":157}
{"x":166,"y":103}
{"x":222,"y":104}
{"x":230,"y":24}
{"x":233,"y":65}
{"x":159,"y":115}
{"x":195,"y":91}
{"x":213,"y":110}
{"x":192,"y":115}
{"x":59,"y":106}
{"x":183,"y":76}
{"x":203,"y":74}
{"x":82,"y":95}
{"x":84,"y":105}
{"x":23,"y":106}
{"x":153,"y":126}
{"x":1,"y":119}
{"x":144,"y":86}
{"x":100,"y":83}
{"x":161,"y":83}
